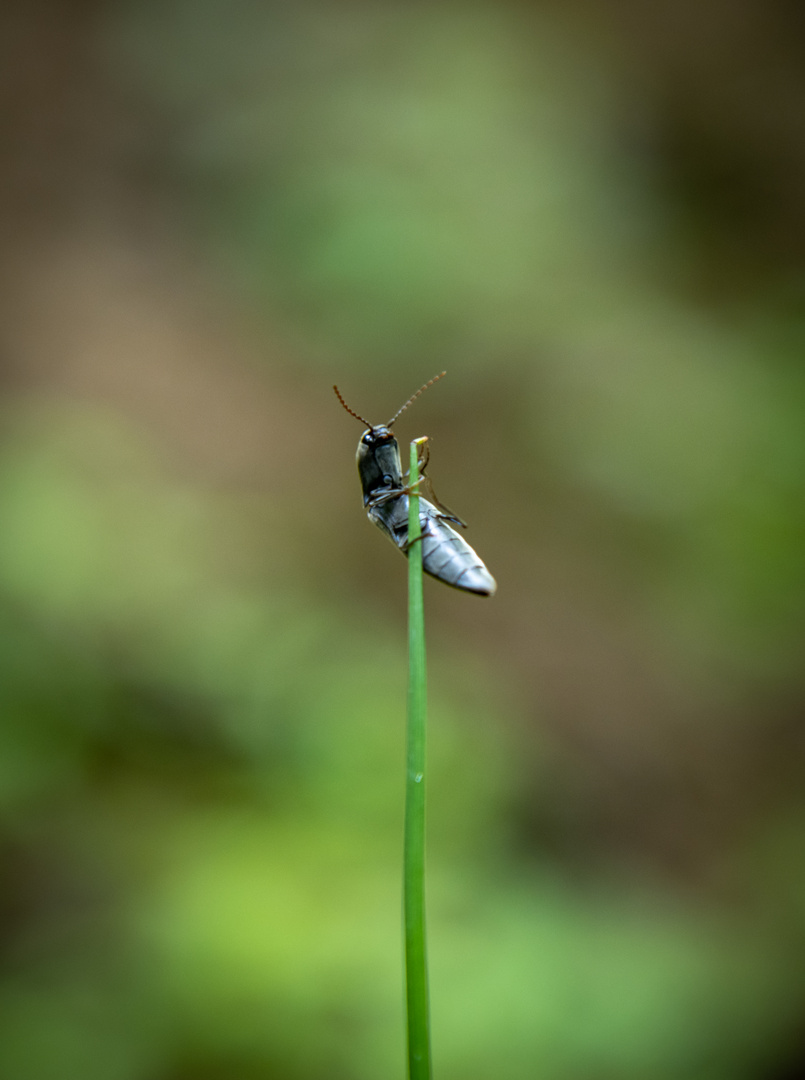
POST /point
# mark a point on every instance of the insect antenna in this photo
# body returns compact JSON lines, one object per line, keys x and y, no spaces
{"x":350,"y":411}
{"x":413,"y":397}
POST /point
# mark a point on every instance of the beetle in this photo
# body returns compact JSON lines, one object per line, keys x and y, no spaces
{"x":446,"y":555}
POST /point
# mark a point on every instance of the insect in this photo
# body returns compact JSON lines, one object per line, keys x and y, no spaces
{"x":445,"y":554}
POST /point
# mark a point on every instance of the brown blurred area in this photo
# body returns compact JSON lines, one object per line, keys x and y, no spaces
{"x":104,"y":298}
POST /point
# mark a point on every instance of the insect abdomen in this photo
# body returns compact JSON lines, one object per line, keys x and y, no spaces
{"x":448,"y":557}
{"x":445,"y":554}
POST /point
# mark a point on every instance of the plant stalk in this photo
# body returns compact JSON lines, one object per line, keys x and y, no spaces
{"x":416,"y":962}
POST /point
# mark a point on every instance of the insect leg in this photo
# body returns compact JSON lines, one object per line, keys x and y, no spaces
{"x":410,"y":543}
{"x":447,"y":514}
{"x":423,"y":455}
{"x":393,"y":493}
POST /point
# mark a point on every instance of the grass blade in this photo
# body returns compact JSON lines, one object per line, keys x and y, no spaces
{"x":416,"y":961}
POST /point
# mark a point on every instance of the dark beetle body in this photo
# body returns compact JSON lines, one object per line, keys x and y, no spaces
{"x":445,"y":554}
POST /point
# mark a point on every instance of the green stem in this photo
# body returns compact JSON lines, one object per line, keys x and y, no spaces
{"x":416,"y":962}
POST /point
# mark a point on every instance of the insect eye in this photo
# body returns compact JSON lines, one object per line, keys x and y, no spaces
{"x":388,"y":480}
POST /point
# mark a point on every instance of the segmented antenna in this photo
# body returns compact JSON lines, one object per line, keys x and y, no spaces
{"x":351,"y":413}
{"x":413,"y":397}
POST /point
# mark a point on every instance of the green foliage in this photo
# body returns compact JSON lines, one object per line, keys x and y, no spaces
{"x":201,"y":672}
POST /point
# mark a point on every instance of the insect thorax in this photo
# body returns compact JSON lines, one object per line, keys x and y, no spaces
{"x":378,"y":460}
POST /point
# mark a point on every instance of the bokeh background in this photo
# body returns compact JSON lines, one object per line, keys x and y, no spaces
{"x":592,"y":215}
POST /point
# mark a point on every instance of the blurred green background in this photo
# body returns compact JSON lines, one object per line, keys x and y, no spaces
{"x":592,"y":216}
